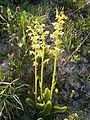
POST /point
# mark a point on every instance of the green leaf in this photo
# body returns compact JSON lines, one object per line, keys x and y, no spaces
{"x":57,"y":109}
{"x":40,"y":106}
{"x":31,"y":103}
{"x":56,"y":11}
{"x":47,"y":95}
{"x":1,"y":74}
{"x":16,"y":98}
{"x":46,"y":110}
{"x":3,"y":91}
{"x":40,"y":99}
{"x":2,"y":18}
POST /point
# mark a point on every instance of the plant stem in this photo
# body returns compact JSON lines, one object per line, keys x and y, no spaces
{"x":24,"y":37}
{"x":42,"y":65}
{"x":35,"y":72}
{"x":76,"y":49}
{"x":55,"y":65}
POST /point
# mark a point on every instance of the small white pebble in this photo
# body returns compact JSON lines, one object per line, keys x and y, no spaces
{"x":75,"y":114}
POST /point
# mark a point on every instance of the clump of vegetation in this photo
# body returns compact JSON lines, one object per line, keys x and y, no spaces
{"x":43,"y":103}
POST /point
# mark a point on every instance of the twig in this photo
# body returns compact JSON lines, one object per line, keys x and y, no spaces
{"x":77,"y":49}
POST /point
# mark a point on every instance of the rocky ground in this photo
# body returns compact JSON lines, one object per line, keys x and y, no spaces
{"x":73,"y":78}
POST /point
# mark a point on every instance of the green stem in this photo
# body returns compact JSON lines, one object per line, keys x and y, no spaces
{"x":35,"y":73}
{"x":55,"y":65}
{"x":42,"y":65}
{"x":76,"y":49}
{"x":24,"y":37}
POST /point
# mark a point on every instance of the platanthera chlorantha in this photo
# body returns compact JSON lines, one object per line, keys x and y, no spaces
{"x":43,"y":103}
